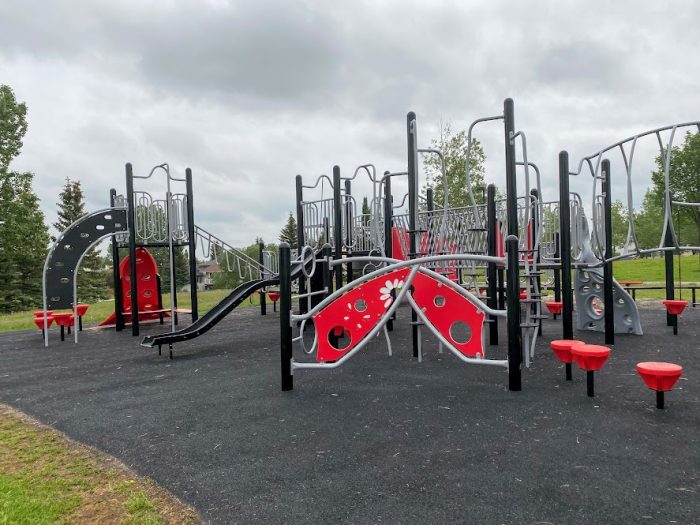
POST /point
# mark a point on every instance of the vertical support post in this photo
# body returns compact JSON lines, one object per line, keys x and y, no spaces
{"x":348,"y":228}
{"x":300,"y":236}
{"x":263,"y":298}
{"x":589,"y":383}
{"x":557,"y":271}
{"x":608,"y":268}
{"x":515,"y":343}
{"x":131,"y":219}
{"x":565,"y":241}
{"x":670,"y":280}
{"x":173,"y":282}
{"x":192,"y":246}
{"x":430,"y":204}
{"x":660,"y":399}
{"x":388,"y":231}
{"x":118,"y":306}
{"x":511,"y":183}
{"x":491,"y":267}
{"x":285,"y":273}
{"x":337,"y":227}
{"x":412,"y":143}
{"x":534,"y":208}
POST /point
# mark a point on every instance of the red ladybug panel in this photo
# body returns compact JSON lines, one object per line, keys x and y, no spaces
{"x":355,"y":313}
{"x":452,"y":314}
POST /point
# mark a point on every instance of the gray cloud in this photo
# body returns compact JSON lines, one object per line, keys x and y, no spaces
{"x":248,"y":94}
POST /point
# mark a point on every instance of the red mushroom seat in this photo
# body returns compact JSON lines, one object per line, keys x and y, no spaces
{"x":659,"y":376}
{"x":554,"y":307}
{"x":274,"y":296}
{"x":562,"y":348}
{"x":590,"y":357}
{"x":39,"y":321}
{"x":674,"y":306}
{"x":82,"y":309}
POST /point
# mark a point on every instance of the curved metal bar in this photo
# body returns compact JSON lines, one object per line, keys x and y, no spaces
{"x":471,"y":360}
{"x":370,"y":335}
{"x":318,"y":181}
{"x":467,"y":167}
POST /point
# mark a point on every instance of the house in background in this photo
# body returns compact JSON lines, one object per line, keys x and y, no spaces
{"x":205,"y":275}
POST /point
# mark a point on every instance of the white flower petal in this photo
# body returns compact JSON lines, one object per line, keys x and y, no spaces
{"x":387,"y":302}
{"x":389,"y":285}
{"x":384,"y":291}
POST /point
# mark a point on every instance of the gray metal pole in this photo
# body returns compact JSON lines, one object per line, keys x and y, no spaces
{"x":608,"y":268}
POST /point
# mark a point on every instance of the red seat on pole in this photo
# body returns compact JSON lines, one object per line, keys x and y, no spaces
{"x":660,"y":377}
{"x":39,"y":322}
{"x":590,"y":358}
{"x":554,"y":307}
{"x":562,"y":349}
{"x":674,"y":307}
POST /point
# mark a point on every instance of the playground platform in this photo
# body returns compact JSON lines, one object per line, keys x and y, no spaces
{"x":382,"y":439}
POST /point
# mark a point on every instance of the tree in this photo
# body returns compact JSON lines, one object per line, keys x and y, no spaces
{"x":23,"y":234}
{"x":453,"y":146}
{"x":684,"y":185}
{"x":288,"y":233}
{"x":366,"y":212}
{"x":91,"y":279}
{"x":182,"y":267}
{"x":620,"y":224}
{"x":13,"y":126}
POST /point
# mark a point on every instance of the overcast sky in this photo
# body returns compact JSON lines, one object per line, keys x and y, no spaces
{"x":248,"y":94}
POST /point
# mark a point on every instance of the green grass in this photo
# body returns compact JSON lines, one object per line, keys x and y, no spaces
{"x":46,"y":479}
{"x":100,"y":311}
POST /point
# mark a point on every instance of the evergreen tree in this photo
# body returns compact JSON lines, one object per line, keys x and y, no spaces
{"x":288,"y":233}
{"x":453,"y":146}
{"x":91,"y":278}
{"x":366,"y":211}
{"x":23,"y":233}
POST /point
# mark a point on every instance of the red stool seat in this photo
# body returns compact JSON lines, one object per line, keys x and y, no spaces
{"x":674,"y":307}
{"x":554,"y":307}
{"x":523,"y":295}
{"x":64,"y":319}
{"x":82,"y":309}
{"x":659,"y":376}
{"x":39,"y":321}
{"x":590,"y":357}
{"x":562,"y":348}
{"x":40,"y":313}
{"x":274,"y":296}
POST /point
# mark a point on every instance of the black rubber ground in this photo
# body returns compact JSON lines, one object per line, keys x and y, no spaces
{"x":381,"y":439}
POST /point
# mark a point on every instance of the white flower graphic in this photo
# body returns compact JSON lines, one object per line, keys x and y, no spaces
{"x":386,"y":291}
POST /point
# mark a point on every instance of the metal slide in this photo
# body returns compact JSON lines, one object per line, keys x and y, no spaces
{"x":220,"y":310}
{"x":212,"y":317}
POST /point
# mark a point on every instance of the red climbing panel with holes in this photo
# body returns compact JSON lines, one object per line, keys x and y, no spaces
{"x":147,"y":275}
{"x":399,"y":238}
{"x":347,"y":320}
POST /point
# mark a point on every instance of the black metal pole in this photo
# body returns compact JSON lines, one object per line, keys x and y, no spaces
{"x":557,"y":271}
{"x":511,"y":182}
{"x":670,"y":280}
{"x":285,"y":258}
{"x":430,"y":205}
{"x":388,"y":231}
{"x":192,"y":246}
{"x":173,"y":285}
{"x":118,"y":306}
{"x":131,"y":218}
{"x":261,"y":257}
{"x":660,"y":399}
{"x":589,"y":383}
{"x":565,"y":241}
{"x":515,"y":343}
{"x":491,"y":276}
{"x":300,"y":237}
{"x":412,"y":143}
{"x":608,"y":300}
{"x":337,"y":227}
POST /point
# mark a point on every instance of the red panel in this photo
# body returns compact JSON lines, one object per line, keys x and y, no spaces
{"x":446,"y":309}
{"x":354,"y":314}
{"x":146,"y":272}
{"x":354,"y":318}
{"x":396,"y":248}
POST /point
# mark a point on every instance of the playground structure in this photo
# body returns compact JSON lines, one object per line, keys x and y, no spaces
{"x":434,"y":246}
{"x":136,"y":222}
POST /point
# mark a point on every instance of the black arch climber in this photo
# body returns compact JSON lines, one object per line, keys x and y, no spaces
{"x":69,"y":248}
